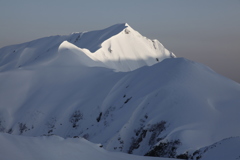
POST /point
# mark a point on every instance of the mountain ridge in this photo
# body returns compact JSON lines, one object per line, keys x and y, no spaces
{"x":104,"y":51}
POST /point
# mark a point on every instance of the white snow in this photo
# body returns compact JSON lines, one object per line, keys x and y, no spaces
{"x":68,"y":86}
{"x":118,"y":47}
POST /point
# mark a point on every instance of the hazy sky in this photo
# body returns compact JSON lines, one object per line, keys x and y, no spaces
{"x":206,"y":31}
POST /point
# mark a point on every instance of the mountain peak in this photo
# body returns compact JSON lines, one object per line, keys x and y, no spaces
{"x":118,"y":47}
{"x":123,"y":25}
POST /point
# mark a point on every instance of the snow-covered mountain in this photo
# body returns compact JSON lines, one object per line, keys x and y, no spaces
{"x":118,"y":47}
{"x":117,"y":88}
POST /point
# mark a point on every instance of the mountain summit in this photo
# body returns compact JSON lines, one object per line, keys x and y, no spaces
{"x":118,"y":89}
{"x":118,"y":47}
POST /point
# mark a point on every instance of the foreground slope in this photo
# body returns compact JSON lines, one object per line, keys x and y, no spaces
{"x":170,"y":108}
{"x":57,"y":148}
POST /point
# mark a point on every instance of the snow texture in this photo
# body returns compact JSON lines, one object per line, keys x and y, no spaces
{"x":117,"y":88}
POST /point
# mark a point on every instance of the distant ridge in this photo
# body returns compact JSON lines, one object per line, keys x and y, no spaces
{"x":118,"y":47}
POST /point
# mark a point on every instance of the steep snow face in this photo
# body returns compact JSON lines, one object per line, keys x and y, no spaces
{"x":118,"y":47}
{"x":57,"y":148}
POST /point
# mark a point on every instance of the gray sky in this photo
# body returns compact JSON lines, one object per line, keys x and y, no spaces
{"x":206,"y":31}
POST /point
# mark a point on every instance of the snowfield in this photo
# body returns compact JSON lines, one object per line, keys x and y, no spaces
{"x":116,"y":88}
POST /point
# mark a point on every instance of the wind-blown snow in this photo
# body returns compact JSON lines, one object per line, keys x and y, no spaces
{"x":159,"y":105}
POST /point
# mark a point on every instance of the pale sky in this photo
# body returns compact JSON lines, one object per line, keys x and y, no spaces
{"x":206,"y":31}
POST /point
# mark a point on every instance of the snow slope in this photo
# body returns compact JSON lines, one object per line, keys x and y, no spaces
{"x":57,"y":148}
{"x":224,"y":149}
{"x":68,"y":86}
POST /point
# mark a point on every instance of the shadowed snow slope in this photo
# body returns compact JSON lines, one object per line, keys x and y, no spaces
{"x":57,"y":148}
{"x":55,"y":86}
{"x":177,"y":102}
{"x":224,"y":149}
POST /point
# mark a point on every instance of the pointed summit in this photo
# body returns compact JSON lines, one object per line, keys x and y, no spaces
{"x":120,"y":47}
